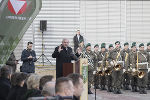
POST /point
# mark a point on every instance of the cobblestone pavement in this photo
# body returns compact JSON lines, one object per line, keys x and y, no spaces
{"x":127,"y":95}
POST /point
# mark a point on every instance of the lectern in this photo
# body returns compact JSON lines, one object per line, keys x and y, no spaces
{"x":80,"y":66}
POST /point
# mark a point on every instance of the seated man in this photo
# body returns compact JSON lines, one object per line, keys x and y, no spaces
{"x":44,"y":79}
{"x":64,"y":87}
{"x":78,"y":85}
{"x":49,"y":89}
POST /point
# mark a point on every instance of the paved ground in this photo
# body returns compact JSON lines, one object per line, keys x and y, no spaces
{"x":127,"y":95}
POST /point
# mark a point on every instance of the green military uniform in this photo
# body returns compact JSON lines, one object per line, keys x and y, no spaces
{"x":102,"y":78}
{"x":134,"y":78}
{"x":91,"y":57}
{"x":96,"y":65}
{"x":143,"y":59}
{"x":126,"y":74}
{"x":148,"y":51}
{"x":80,"y":48}
{"x":116,"y":75}
{"x":108,"y":70}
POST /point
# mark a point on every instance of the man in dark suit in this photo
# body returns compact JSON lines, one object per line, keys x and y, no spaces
{"x":5,"y":75}
{"x":63,"y":54}
{"x":76,"y":40}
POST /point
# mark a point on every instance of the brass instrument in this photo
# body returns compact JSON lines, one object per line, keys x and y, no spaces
{"x":139,"y":74}
{"x":126,"y":57}
{"x":107,"y":70}
{"x":117,"y":66}
{"x":100,"y":71}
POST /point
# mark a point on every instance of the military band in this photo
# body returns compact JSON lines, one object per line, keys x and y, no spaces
{"x":117,"y":68}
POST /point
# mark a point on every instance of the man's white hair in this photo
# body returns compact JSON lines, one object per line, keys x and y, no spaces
{"x":65,"y":39}
{"x":49,"y":89}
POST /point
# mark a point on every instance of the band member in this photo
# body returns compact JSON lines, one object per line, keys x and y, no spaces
{"x":76,"y":40}
{"x":126,"y":74}
{"x":63,"y":54}
{"x":141,"y":60}
{"x":134,"y":77}
{"x":110,"y":47}
{"x":148,"y":51}
{"x":101,"y":57}
{"x":108,"y":70}
{"x":96,"y":53}
{"x":80,"y":49}
{"x":28,"y":57}
{"x":91,"y":68}
{"x":114,"y":58}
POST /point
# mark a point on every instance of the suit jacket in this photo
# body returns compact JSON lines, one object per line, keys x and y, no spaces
{"x":76,"y":41}
{"x":64,"y":56}
{"x":5,"y":86}
{"x":28,"y":64}
{"x":16,"y":93}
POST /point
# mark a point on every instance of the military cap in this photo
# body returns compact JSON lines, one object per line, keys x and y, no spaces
{"x":103,"y":45}
{"x":148,"y":43}
{"x":117,"y":42}
{"x":89,"y":44}
{"x":126,"y":43}
{"x":134,"y":43}
{"x":80,"y":41}
{"x":111,"y":45}
{"x":96,"y":45}
{"x":141,"y":45}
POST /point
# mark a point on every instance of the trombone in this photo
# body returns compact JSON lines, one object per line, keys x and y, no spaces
{"x":138,"y":73}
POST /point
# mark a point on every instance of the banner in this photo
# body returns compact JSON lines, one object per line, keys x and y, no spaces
{"x":15,"y":18}
{"x":84,"y":73}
